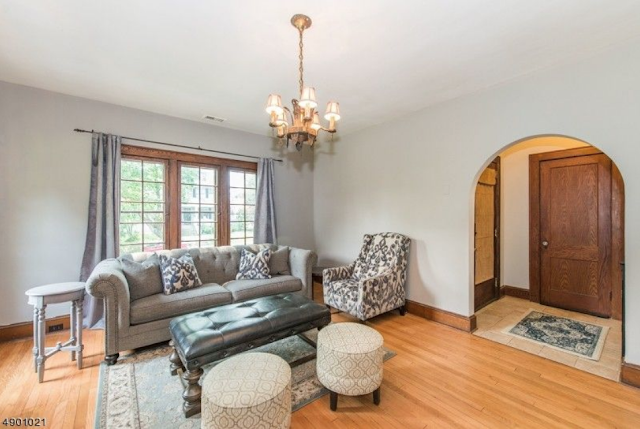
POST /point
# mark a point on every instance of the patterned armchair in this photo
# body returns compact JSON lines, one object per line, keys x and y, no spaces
{"x":374,"y":283}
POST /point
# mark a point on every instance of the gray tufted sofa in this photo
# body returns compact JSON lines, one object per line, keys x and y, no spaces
{"x":131,"y":323}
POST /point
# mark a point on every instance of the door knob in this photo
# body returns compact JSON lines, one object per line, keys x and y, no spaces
{"x":545,"y":244}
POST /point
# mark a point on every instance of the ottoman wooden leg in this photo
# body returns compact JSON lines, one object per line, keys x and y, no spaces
{"x":176,"y":362}
{"x":333,"y":399}
{"x":376,"y":396}
{"x":111,"y":359}
{"x":192,"y":392}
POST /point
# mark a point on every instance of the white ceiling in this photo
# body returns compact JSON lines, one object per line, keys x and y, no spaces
{"x":379,"y":58}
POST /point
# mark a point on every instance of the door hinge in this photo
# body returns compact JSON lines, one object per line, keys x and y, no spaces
{"x":495,"y":233}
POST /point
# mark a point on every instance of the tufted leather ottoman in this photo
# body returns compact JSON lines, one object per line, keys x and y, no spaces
{"x":252,"y":390}
{"x":349,"y":362}
{"x":208,"y":336}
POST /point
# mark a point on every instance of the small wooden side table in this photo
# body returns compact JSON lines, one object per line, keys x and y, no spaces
{"x":316,"y":276}
{"x":42,"y":296}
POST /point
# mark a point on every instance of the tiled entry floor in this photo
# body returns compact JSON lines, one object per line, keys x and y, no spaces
{"x":493,"y":318}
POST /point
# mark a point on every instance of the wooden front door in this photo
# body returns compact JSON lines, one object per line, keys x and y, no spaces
{"x":486,"y":238}
{"x":575,"y":233}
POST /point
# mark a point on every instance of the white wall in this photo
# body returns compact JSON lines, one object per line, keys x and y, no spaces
{"x":416,"y":175}
{"x":45,"y":174}
{"x":514,"y":202}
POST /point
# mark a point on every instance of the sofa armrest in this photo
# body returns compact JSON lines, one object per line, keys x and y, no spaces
{"x":338,"y":273}
{"x":107,"y":282}
{"x":301,"y":262}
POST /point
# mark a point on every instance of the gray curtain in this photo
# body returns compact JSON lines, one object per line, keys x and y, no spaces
{"x":265,"y":223}
{"x":104,"y":215}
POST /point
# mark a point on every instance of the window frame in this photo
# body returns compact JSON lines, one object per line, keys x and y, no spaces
{"x":142,"y":212}
{"x":178,"y":200}
{"x":173,"y":162}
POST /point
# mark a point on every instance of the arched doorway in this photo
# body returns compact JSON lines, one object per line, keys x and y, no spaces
{"x":570,"y":277}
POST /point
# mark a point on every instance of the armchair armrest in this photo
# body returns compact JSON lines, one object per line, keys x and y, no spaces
{"x":380,"y":294}
{"x":337,"y":273}
{"x":107,"y":282}
{"x":369,"y":284}
{"x":301,"y":262}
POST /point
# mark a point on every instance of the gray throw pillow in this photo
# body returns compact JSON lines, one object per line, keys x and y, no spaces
{"x":279,"y":262}
{"x":178,"y":274}
{"x":254,"y":266}
{"x":144,"y":277}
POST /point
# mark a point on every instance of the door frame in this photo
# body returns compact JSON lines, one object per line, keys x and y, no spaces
{"x":617,"y":224}
{"x":496,"y":238}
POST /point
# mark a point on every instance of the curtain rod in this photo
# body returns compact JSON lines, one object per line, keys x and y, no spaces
{"x":78,"y":130}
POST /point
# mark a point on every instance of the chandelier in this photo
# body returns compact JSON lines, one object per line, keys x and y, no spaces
{"x":301,"y":125}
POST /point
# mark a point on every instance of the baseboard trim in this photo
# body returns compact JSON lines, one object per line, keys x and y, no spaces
{"x":516,"y":292}
{"x":25,"y":329}
{"x":630,"y":374}
{"x":464,"y":323}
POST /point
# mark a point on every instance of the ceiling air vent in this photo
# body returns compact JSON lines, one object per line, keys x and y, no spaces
{"x":213,"y":118}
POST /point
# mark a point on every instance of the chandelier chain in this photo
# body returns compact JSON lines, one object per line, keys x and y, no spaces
{"x":301,"y":57}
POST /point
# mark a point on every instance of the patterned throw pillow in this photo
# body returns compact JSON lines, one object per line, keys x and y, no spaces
{"x":254,"y":266}
{"x":178,"y":274}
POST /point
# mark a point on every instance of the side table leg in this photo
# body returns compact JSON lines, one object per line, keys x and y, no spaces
{"x":41,"y":334}
{"x":72,"y":316}
{"x":35,"y":338}
{"x":78,"y":321}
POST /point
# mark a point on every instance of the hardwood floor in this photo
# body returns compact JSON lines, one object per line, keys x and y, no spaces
{"x":441,"y":377}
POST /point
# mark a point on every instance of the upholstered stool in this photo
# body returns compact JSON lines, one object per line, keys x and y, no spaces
{"x":42,"y":296}
{"x":349,"y":361}
{"x":251,"y":390}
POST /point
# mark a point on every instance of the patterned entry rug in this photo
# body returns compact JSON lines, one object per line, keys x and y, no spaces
{"x":568,"y":335}
{"x":139,"y":392}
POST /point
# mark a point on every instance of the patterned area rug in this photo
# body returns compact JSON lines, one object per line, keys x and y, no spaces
{"x":139,"y":391}
{"x":568,"y":335}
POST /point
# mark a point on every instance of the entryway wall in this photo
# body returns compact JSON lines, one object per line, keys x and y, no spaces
{"x":514,"y":210}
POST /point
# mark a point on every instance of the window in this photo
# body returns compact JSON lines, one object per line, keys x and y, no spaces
{"x":242,"y":200}
{"x":198,"y":206}
{"x":142,"y":205}
{"x":172,"y":199}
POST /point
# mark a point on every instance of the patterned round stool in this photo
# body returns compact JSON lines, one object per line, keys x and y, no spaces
{"x":251,"y":390}
{"x":349,"y":360}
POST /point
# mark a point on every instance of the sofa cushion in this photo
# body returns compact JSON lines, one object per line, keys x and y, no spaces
{"x":144,"y":277}
{"x":254,"y":266}
{"x":160,"y":306}
{"x":243,"y":290}
{"x":279,"y":262}
{"x":178,"y":274}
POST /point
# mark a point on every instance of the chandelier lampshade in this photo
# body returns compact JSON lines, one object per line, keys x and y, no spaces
{"x":308,"y":98}
{"x":274,"y":106}
{"x":301,"y":124}
{"x":316,"y":122}
{"x":332,"y":114}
